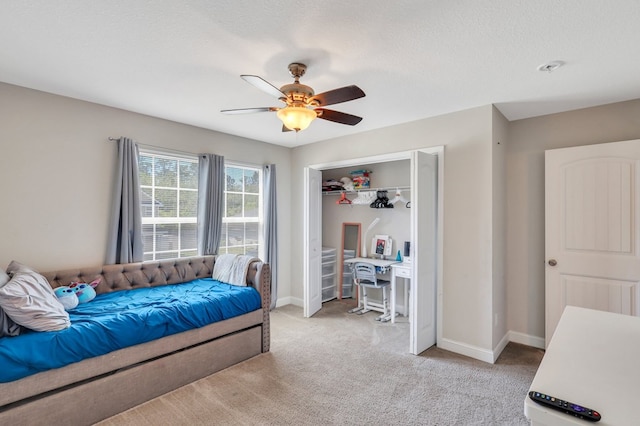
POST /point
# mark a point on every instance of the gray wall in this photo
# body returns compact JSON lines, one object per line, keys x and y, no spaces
{"x":56,"y":176}
{"x":499,"y":146}
{"x":57,"y":171}
{"x":528,"y":139}
{"x":468,"y":227}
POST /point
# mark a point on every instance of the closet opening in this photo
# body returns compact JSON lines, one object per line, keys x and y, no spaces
{"x":395,"y":198}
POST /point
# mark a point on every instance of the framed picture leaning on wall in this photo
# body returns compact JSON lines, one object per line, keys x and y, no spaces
{"x":381,"y":245}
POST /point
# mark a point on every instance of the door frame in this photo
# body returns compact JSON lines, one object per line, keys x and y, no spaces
{"x":395,"y":156}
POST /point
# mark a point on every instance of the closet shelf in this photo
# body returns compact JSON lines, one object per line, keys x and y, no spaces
{"x":354,"y":191}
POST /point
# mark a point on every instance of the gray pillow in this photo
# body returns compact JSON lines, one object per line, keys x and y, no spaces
{"x":7,"y":326}
{"x":4,"y":278}
{"x":29,"y":300}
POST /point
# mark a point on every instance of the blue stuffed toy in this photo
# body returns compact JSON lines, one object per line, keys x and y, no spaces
{"x":67,"y":297}
{"x":85,"y":291}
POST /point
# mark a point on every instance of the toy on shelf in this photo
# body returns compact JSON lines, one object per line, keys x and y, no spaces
{"x":361,"y":179}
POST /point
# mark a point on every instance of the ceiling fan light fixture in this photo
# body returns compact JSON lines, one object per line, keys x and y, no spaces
{"x":296,"y":117}
{"x":302,"y":104}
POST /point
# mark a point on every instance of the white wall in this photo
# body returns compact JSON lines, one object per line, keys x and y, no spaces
{"x":528,"y":139}
{"x":57,"y":171}
{"x":467,"y":274}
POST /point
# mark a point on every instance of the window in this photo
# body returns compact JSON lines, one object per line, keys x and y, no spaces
{"x":242,"y":218}
{"x":169,"y":200}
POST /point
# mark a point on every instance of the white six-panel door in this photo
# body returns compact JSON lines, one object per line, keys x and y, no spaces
{"x":592,"y":211}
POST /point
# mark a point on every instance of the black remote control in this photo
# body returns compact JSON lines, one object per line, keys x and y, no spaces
{"x":565,"y":406}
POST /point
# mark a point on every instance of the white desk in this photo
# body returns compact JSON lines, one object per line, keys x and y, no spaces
{"x":386,"y":264}
{"x":592,"y":360}
{"x":375,"y":262}
{"x":400,"y":270}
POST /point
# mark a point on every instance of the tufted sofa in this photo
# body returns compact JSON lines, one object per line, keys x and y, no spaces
{"x":122,"y":379}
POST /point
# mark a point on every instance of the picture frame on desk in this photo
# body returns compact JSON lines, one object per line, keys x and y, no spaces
{"x":381,"y":245}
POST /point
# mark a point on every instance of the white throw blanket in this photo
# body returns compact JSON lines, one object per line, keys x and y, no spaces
{"x":232,"y":268}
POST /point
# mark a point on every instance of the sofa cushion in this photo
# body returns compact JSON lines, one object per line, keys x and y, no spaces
{"x":28,"y":299}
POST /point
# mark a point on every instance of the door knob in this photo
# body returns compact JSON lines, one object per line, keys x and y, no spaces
{"x":553,"y":262}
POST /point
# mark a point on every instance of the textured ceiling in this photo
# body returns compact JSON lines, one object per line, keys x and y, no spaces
{"x":181,"y":60}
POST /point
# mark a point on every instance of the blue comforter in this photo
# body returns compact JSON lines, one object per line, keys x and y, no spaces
{"x":124,"y":318}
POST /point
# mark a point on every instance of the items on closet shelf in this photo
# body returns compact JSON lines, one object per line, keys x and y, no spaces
{"x":347,"y":184}
{"x":360,"y":179}
{"x":331,"y":185}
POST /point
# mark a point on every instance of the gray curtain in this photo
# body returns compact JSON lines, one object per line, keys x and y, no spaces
{"x":125,"y":237}
{"x":271,"y":228}
{"x":210,"y":202}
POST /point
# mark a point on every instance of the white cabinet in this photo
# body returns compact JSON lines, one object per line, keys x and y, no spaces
{"x":329,"y":282}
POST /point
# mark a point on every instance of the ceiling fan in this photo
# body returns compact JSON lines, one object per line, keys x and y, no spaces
{"x":302,"y":104}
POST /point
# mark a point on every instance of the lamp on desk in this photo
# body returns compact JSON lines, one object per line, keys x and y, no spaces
{"x":364,"y":237}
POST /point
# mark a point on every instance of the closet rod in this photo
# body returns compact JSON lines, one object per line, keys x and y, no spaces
{"x":390,"y":188}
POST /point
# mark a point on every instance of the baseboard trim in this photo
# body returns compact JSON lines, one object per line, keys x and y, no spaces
{"x":467,"y":350}
{"x":526,"y":339}
{"x":288,"y":301}
{"x":488,"y":355}
{"x":500,"y":347}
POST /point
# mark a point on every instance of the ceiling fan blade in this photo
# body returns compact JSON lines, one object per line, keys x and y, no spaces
{"x":263,"y":85}
{"x":248,"y":110}
{"x":286,"y":129}
{"x":338,"y":117}
{"x":336,"y":96}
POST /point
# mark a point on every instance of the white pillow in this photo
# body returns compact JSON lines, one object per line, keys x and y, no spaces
{"x":28,"y":299}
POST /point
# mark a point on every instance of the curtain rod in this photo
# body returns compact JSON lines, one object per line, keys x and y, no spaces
{"x":160,"y":148}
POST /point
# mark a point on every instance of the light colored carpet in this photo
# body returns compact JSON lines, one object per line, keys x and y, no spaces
{"x":344,"y":369}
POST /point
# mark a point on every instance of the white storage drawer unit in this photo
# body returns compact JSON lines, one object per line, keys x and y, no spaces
{"x":329,"y":282}
{"x":328,"y":268}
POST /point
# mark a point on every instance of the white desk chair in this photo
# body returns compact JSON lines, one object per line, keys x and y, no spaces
{"x":364,"y":276}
